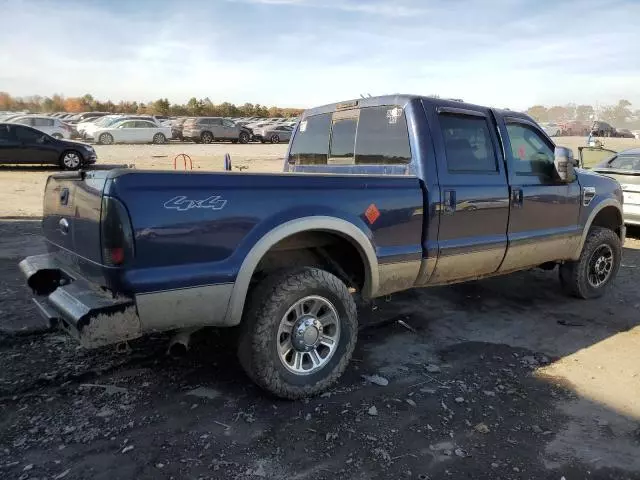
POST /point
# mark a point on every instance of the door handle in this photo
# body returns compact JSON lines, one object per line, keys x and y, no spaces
{"x":516,"y":197}
{"x":449,"y":202}
{"x":64,"y":226}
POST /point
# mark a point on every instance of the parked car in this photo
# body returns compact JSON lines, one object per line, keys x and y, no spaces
{"x":624,"y":167}
{"x":132,"y":131}
{"x":176,"y":128}
{"x":108,"y":120}
{"x":49,"y":125}
{"x":26,"y":145}
{"x":274,"y":134}
{"x":602,"y":129}
{"x":383,"y":179}
{"x":624,"y":133}
{"x":552,"y":129}
{"x":210,"y":129}
{"x":574,"y":128}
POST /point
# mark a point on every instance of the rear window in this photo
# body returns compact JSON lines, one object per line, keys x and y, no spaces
{"x":343,"y":140}
{"x":372,"y":136}
{"x":311,"y":142}
{"x":382,"y":137}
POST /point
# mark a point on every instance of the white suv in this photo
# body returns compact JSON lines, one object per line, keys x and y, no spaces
{"x":49,"y":125}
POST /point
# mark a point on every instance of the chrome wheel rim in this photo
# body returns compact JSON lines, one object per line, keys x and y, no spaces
{"x":275,"y":139}
{"x":158,"y":138}
{"x":206,"y":138}
{"x":600,"y":266}
{"x":106,"y":139}
{"x":308,"y":335}
{"x":71,"y":160}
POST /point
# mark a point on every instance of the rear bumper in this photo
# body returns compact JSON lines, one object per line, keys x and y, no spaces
{"x":96,"y":318}
{"x":88,"y":313}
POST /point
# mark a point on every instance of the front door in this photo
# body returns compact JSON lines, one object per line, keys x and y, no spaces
{"x":474,"y":207}
{"x":544,"y":212}
{"x":229,"y":130}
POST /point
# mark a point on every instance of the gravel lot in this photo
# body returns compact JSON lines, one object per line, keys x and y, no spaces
{"x":502,"y":378}
{"x":21,"y":187}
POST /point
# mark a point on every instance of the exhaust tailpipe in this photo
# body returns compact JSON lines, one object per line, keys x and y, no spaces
{"x":179,"y":344}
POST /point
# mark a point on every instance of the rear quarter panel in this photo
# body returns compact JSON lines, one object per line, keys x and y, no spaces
{"x":180,"y":247}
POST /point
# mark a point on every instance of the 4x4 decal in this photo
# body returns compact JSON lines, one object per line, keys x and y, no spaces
{"x":182,"y":203}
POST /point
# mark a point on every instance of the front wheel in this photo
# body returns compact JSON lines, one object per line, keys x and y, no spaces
{"x":243,"y":137}
{"x":590,"y":275}
{"x":70,"y":160}
{"x":105,"y":139}
{"x":298,"y":332}
{"x":159,"y":139}
{"x":275,"y":139}
{"x":206,"y":137}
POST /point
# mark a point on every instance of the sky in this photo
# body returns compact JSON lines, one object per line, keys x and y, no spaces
{"x":302,"y":53}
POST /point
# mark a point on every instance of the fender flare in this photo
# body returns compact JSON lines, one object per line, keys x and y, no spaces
{"x":318,"y":223}
{"x":609,"y":202}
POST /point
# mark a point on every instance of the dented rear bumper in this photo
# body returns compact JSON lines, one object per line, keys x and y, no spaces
{"x":82,"y":308}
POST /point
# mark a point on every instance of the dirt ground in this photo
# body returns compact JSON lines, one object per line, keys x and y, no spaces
{"x":504,"y":378}
{"x":21,"y":187}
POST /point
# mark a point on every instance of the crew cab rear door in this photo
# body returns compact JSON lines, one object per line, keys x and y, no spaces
{"x":474,"y":207}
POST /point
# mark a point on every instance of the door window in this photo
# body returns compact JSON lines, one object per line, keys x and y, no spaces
{"x":625,"y":162}
{"x":5,"y":134}
{"x":311,"y":141}
{"x":228,"y":124}
{"x":24,"y":121}
{"x":26,"y":135}
{"x":382,"y":137}
{"x":143,"y":124}
{"x":531,"y":153}
{"x":43,"y":122}
{"x":468,"y":144}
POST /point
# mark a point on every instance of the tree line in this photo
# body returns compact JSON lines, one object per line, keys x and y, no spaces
{"x":162,"y":106}
{"x":619,"y":115}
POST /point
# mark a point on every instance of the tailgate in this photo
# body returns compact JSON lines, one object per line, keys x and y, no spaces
{"x":71,"y":217}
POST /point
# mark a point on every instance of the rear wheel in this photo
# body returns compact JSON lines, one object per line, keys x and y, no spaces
{"x":275,"y":139}
{"x":206,"y":137}
{"x":590,"y":275}
{"x":70,"y":160}
{"x":298,"y":332}
{"x":159,"y":138}
{"x":57,"y":136}
{"x":243,"y":137}
{"x":105,"y":139}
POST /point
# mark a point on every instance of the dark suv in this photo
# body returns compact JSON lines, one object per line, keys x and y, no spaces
{"x":210,"y":129}
{"x":602,"y":129}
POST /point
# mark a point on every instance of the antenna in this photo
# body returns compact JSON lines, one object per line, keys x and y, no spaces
{"x":369,"y":95}
{"x":362,"y":96}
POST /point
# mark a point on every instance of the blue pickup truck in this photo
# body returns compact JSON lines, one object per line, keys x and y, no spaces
{"x":378,"y":195}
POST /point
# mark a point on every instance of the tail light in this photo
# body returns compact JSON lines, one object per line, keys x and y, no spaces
{"x":116,"y":234}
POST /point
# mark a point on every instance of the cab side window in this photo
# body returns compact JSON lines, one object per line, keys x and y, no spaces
{"x":311,"y":142}
{"x":531,"y":153}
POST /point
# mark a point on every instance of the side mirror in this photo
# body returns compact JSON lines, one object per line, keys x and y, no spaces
{"x":41,"y":140}
{"x":565,"y":164}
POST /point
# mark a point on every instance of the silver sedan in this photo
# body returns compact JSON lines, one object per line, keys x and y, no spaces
{"x":273,"y":133}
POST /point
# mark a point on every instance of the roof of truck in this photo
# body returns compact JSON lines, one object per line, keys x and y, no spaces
{"x":402,"y":100}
